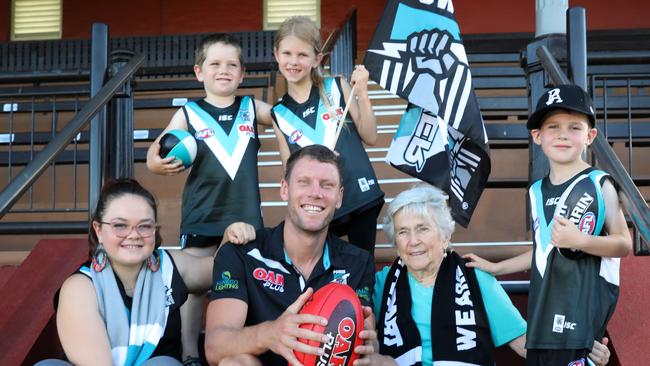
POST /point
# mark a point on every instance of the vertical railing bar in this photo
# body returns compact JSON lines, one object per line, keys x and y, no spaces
{"x":74,"y":157}
{"x":31,"y":149}
{"x":605,"y":103}
{"x":629,"y":125}
{"x":11,"y":139}
{"x":53,"y":175}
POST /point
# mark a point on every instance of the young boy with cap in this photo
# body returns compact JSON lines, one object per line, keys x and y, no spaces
{"x":575,"y":210}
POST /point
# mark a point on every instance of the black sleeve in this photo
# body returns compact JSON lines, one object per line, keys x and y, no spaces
{"x":228,"y":275}
{"x":367,"y":284}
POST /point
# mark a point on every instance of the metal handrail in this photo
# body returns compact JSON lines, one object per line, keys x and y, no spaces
{"x":35,"y":168}
{"x":634,"y":202}
{"x":340,"y":47}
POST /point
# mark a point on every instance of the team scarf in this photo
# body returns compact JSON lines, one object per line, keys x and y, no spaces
{"x":460,"y":332}
{"x":135,"y":334}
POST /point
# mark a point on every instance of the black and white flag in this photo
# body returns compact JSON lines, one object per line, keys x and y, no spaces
{"x":417,"y":54}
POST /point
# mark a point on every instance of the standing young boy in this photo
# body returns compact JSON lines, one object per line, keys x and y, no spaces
{"x":222,"y":187}
{"x":574,"y":288}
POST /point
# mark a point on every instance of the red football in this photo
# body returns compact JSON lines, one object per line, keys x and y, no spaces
{"x":341,"y":307}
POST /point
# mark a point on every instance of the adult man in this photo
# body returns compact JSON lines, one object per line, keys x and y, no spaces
{"x":259,"y":288}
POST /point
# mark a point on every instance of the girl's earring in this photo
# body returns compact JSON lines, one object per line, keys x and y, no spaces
{"x":99,"y":259}
{"x":153,"y":262}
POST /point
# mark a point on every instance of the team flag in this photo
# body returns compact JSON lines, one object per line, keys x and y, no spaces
{"x":417,"y":54}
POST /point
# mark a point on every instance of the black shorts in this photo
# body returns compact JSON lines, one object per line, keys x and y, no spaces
{"x":558,"y":357}
{"x":360,"y":226}
{"x":198,"y":241}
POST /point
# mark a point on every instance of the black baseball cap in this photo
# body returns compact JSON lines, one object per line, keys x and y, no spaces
{"x":569,"y":97}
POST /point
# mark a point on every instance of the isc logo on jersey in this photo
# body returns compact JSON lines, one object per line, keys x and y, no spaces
{"x":295,"y":136}
{"x":204,"y":134}
{"x":274,"y":281}
{"x":587,"y":223}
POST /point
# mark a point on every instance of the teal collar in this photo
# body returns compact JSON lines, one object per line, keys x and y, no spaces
{"x":326,"y":256}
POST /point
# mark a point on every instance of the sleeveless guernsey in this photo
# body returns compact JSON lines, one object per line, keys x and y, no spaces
{"x":222,"y":186}
{"x":570,"y":300}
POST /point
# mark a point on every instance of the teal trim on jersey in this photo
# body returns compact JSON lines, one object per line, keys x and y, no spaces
{"x":85,"y":270}
{"x":317,"y":135}
{"x":326,"y":257}
{"x":596,"y":176}
{"x":228,"y":141}
{"x":544,"y":227}
{"x":506,"y":323}
{"x":410,"y":20}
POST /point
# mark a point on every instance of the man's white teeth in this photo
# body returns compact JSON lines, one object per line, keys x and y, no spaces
{"x":311,"y":208}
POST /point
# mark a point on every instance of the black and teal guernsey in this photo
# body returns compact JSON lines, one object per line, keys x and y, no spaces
{"x":570,"y":300}
{"x":308,"y":123}
{"x":222,"y":186}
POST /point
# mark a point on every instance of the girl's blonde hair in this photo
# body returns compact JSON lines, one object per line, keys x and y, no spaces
{"x":307,"y":31}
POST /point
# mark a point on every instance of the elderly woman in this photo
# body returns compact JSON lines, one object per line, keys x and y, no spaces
{"x":468,"y":314}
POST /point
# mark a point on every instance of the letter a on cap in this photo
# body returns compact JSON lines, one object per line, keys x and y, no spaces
{"x":554,"y":96}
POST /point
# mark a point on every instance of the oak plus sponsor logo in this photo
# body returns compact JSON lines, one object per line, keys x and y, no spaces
{"x":226,"y":282}
{"x":204,"y":134}
{"x":339,"y":346}
{"x":246,"y":130}
{"x":271,"y":280}
{"x":332,"y":115}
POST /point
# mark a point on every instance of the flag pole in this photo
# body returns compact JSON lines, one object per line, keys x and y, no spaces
{"x":341,"y":121}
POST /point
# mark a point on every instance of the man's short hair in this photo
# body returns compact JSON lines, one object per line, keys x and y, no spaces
{"x":316,"y":152}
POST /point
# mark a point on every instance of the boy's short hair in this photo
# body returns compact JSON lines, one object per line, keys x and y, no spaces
{"x":569,"y":97}
{"x":201,"y":51}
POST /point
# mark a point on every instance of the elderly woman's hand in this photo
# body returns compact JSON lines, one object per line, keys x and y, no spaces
{"x":369,"y":351}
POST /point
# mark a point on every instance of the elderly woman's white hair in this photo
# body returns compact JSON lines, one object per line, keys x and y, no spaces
{"x":424,"y":200}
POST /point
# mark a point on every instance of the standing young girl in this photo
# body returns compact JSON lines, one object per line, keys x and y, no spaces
{"x":308,"y":114}
{"x":222,"y":186}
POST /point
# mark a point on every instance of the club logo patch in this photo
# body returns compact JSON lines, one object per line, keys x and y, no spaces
{"x":587,"y":223}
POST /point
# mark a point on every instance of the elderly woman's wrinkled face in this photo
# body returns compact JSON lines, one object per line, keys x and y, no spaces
{"x":418,"y":242}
